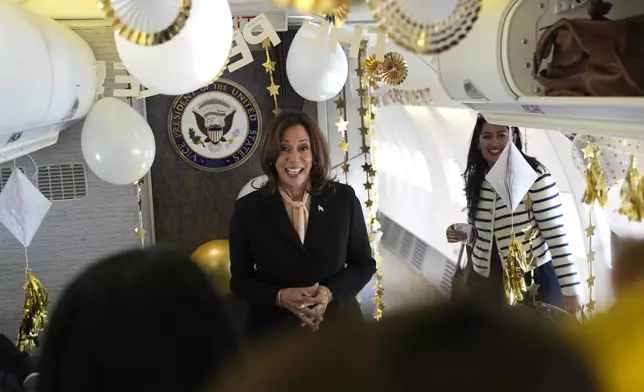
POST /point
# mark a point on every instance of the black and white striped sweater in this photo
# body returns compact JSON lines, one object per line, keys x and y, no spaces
{"x":546,"y":214}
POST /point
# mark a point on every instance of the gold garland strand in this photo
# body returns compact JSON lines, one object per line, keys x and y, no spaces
{"x":590,"y":258}
{"x":140,"y":231}
{"x":631,"y":194}
{"x":269,"y":66}
{"x":596,"y":191}
{"x":34,"y":315}
{"x":342,"y":124}
{"x":367,"y":117}
{"x":530,"y":234}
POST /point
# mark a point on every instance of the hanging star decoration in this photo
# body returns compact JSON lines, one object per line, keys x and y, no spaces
{"x":596,"y":191}
{"x":344,"y":146}
{"x":530,"y":234}
{"x":342,"y":125}
{"x":269,"y":66}
{"x":366,"y":128}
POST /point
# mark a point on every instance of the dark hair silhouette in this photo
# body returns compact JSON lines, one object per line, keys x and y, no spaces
{"x":321,"y":167}
{"x":144,"y":320}
{"x":453,"y":347}
{"x":477,"y":166}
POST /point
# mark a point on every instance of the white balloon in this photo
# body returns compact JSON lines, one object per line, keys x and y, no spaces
{"x":315,"y":73}
{"x":253,"y":185}
{"x":118,"y":144}
{"x":618,"y":223}
{"x":191,"y":59}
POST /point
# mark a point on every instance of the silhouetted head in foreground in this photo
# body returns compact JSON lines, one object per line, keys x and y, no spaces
{"x":453,"y":348}
{"x":145,"y":320}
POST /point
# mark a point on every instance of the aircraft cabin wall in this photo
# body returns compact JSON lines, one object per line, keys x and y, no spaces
{"x":421,"y":153}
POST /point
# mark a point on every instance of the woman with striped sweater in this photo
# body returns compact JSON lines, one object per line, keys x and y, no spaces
{"x":490,"y":225}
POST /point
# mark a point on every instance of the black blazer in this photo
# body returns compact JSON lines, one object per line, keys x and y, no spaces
{"x":267,"y":255}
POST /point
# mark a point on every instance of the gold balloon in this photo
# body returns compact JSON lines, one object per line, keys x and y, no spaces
{"x":214,"y":258}
{"x":615,"y":342}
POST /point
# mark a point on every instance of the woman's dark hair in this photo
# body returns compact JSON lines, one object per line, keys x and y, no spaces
{"x":321,"y":167}
{"x":477,"y":166}
{"x":145,"y":320}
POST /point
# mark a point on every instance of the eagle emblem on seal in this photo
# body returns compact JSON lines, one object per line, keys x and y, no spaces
{"x":215,"y":128}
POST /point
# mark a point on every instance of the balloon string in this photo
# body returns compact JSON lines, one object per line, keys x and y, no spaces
{"x":140,"y":231}
{"x":26,"y":261}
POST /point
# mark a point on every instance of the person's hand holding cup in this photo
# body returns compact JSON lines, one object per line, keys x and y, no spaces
{"x":458,"y":232}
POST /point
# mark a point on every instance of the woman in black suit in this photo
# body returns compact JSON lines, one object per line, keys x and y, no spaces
{"x":299,"y":246}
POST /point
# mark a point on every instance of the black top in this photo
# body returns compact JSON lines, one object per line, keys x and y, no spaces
{"x":267,"y":255}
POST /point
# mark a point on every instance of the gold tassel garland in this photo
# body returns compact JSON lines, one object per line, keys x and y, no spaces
{"x":516,"y":266}
{"x":34,"y":315}
{"x":596,"y":189}
{"x":631,"y":193}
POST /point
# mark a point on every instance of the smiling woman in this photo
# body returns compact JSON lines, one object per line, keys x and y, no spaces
{"x":492,"y":224}
{"x":299,"y":247}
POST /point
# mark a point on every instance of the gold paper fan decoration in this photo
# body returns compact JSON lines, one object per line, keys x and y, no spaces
{"x":371,"y":66}
{"x":393,"y":70}
{"x":338,"y":15}
{"x":402,"y":24}
{"x":117,"y":11}
{"x":317,"y":7}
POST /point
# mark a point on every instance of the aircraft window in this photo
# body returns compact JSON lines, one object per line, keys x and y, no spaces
{"x":455,"y":182}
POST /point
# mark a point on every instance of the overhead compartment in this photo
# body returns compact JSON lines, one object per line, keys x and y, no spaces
{"x":491,"y":71}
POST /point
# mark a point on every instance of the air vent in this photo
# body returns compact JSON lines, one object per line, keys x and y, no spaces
{"x":5,"y":173}
{"x":406,"y":245}
{"x":394,"y":237}
{"x":63,"y":182}
{"x":448,"y":275}
{"x":419,"y":254}
{"x":384,"y":225}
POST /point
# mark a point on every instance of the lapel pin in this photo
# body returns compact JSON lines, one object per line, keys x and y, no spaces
{"x":320,"y":208}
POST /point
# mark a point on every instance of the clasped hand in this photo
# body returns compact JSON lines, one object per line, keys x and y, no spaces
{"x":307,"y":303}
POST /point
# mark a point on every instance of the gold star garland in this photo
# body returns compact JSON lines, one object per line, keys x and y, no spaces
{"x":596,"y":190}
{"x":140,"y":231}
{"x":530,"y":234}
{"x":367,"y":132}
{"x":269,"y":66}
{"x":342,"y":124}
